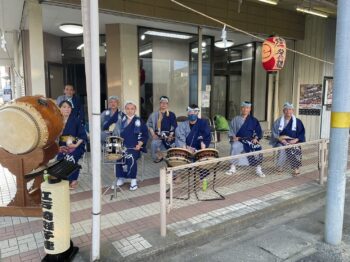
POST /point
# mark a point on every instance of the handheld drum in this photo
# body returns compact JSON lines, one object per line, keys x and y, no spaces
{"x":114,"y":148}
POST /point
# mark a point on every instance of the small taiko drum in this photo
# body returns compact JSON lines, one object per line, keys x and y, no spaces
{"x":114,"y":148}
{"x":178,"y":157}
{"x":29,"y":122}
{"x":206,"y":154}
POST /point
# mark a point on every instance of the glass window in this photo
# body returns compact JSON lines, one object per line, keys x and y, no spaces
{"x":239,"y":76}
{"x":168,"y":66}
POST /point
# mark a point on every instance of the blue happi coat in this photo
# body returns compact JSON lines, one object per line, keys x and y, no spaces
{"x":108,"y":119}
{"x":294,"y":154}
{"x":192,"y":137}
{"x":167,"y":126}
{"x":249,"y":130}
{"x":299,"y":131}
{"x":74,"y":128}
{"x":133,"y":132}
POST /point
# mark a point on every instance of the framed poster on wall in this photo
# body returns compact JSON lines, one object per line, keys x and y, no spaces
{"x":310,"y":100}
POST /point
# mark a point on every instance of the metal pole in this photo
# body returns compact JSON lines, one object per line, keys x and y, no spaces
{"x":96,"y":130}
{"x":162,"y":184}
{"x":92,"y":71}
{"x":200,"y":56}
{"x":340,"y":123}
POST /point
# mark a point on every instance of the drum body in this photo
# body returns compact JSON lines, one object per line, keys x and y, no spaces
{"x":178,"y":157}
{"x":206,"y":154}
{"x":114,"y":148}
{"x":29,"y":122}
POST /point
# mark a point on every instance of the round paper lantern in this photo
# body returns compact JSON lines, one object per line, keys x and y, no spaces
{"x":273,"y":53}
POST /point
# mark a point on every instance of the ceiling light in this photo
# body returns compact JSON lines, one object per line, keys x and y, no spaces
{"x":271,"y":2}
{"x":195,"y":50}
{"x":73,"y":29}
{"x":167,"y":34}
{"x":145,"y":52}
{"x":80,"y":46}
{"x":204,"y":44}
{"x":142,"y":37}
{"x":3,"y":42}
{"x":249,"y":45}
{"x":224,"y":44}
{"x":312,"y":12}
{"x":240,"y":60}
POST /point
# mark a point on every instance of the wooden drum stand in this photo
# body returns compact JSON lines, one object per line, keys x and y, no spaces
{"x":26,"y":202}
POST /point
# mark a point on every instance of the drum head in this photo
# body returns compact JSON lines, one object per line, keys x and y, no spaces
{"x":22,"y":131}
{"x":178,"y":149}
{"x":114,"y":157}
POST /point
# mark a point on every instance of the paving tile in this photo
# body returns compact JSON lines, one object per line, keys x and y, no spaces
{"x":131,"y":245}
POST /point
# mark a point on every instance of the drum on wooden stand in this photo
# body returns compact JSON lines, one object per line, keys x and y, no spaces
{"x":178,"y":157}
{"x":114,"y":148}
{"x":29,"y":122}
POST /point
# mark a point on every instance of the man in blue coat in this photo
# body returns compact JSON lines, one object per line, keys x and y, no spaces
{"x":288,"y":130}
{"x":161,"y":125}
{"x":245,"y":133}
{"x":194,"y":133}
{"x":69,"y":95}
{"x":134,"y":132}
{"x":110,"y":117}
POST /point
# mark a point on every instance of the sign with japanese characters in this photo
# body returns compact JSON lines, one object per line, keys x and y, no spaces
{"x":56,"y":217}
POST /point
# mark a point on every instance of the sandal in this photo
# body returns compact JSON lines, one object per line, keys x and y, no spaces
{"x":73,"y":185}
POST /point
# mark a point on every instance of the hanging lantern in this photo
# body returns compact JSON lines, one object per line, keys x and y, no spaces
{"x":273,"y":53}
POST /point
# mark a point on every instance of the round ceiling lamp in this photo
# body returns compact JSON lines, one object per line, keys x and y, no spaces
{"x":223,"y":44}
{"x":73,"y":29}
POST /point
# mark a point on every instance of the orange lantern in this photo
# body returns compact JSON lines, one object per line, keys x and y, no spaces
{"x":273,"y":53}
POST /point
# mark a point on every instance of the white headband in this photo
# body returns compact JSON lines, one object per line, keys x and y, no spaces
{"x":130,"y":102}
{"x":190,"y":109}
{"x":164,"y":99}
{"x":116,"y":98}
{"x":288,"y":106}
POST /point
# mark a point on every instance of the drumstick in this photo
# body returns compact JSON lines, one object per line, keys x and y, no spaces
{"x":132,"y":147}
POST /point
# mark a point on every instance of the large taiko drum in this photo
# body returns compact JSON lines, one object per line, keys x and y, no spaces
{"x":29,"y":122}
{"x":206,"y":154}
{"x":178,"y":157}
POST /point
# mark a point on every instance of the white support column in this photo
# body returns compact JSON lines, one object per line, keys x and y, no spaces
{"x":200,"y":56}
{"x":129,"y":65}
{"x":36,"y":47}
{"x":92,"y":71}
